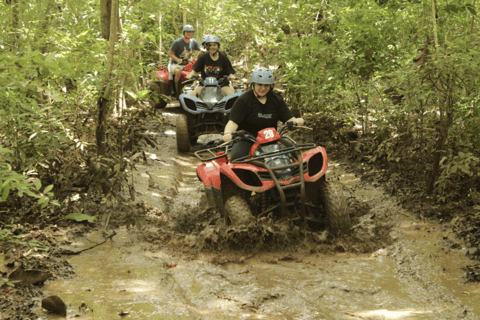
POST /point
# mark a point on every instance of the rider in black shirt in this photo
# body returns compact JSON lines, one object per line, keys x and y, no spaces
{"x":255,"y":110}
{"x":214,"y":64}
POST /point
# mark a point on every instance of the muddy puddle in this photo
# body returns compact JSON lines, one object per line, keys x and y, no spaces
{"x":417,"y":277}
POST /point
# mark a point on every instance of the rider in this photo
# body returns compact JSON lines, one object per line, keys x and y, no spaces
{"x":180,"y":54}
{"x":214,"y":64}
{"x":255,"y":110}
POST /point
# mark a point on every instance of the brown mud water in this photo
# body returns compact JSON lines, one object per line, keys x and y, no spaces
{"x":177,"y":265}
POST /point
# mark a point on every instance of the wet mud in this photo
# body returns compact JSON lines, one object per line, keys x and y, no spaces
{"x":173,"y":258}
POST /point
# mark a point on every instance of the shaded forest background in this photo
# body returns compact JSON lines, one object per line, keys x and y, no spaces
{"x":403,"y":73}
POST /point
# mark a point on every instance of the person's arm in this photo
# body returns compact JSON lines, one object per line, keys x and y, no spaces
{"x":191,"y":74}
{"x":174,"y":58}
{"x":298,"y":121}
{"x":197,"y":68}
{"x":229,"y":129}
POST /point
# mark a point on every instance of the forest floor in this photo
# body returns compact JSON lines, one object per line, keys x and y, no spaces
{"x":432,"y":248}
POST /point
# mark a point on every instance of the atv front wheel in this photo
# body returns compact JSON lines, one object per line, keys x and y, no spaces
{"x":335,"y":204}
{"x":238,"y":210}
{"x":183,"y":141}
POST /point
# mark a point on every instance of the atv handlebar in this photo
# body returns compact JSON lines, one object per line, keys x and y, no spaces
{"x":214,"y":146}
{"x":191,"y":80}
{"x":290,"y":126}
{"x":243,"y":135}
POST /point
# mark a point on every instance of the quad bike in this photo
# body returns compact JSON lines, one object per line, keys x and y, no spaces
{"x":205,"y":114}
{"x":159,"y":84}
{"x":275,"y":180}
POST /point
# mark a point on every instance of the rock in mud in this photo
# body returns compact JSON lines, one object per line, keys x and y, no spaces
{"x":28,"y":277}
{"x":54,"y":304}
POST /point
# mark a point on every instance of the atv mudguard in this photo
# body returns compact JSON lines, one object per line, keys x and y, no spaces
{"x":194,"y":105}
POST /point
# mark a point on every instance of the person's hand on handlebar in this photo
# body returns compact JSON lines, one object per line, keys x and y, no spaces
{"x":297,"y":121}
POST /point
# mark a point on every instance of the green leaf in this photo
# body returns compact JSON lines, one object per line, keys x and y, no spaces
{"x":135,"y":156}
{"x":5,"y":192}
{"x":465,"y":170}
{"x":142,"y":95}
{"x":78,"y":216}
{"x":3,"y":150}
{"x":48,"y":188}
{"x":131,"y":94}
{"x":471,"y":9}
{"x":38,"y":184}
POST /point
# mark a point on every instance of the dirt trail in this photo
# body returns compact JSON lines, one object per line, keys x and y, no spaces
{"x":177,"y":267}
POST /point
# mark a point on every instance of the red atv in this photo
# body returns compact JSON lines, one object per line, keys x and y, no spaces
{"x":275,"y":180}
{"x":159,"y":85}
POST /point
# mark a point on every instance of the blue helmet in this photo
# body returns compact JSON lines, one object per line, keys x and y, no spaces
{"x":210,"y":81}
{"x":187,"y":27}
{"x":262,"y":76}
{"x":211,"y":38}
{"x":204,"y":39}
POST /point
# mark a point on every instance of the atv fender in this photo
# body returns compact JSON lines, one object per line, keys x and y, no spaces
{"x":209,"y":173}
{"x":189,"y":103}
{"x":188,"y":100}
{"x":214,"y":198}
{"x":227,"y":101}
{"x":318,"y":154}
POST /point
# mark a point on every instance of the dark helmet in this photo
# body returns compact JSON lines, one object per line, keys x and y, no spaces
{"x":263,"y":76}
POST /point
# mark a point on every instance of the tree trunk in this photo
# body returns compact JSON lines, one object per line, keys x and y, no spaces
{"x":177,"y":32}
{"x":197,"y":25}
{"x":434,"y":18}
{"x":105,"y":12}
{"x":446,"y":118}
{"x":43,"y":27}
{"x":160,"y":46}
{"x":107,"y":90}
{"x":14,"y":23}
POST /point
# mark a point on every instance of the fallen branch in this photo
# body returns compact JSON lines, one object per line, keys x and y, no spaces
{"x":70,"y":252}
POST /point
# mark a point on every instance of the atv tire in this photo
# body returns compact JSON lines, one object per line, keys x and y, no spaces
{"x":335,"y":203}
{"x":183,"y":141}
{"x":238,"y":210}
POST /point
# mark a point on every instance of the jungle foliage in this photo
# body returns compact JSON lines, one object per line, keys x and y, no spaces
{"x":403,"y":71}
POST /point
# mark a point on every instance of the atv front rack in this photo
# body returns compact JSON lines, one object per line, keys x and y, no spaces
{"x":294,"y":149}
{"x":214,"y":152}
{"x":281,"y":188}
{"x":271,"y":170}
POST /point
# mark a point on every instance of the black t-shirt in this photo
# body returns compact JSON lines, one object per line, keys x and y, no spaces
{"x":210,"y":68}
{"x":252,"y":116}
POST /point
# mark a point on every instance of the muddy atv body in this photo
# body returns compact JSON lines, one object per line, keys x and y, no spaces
{"x":274,"y":181}
{"x":159,"y":84}
{"x":205,"y":114}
